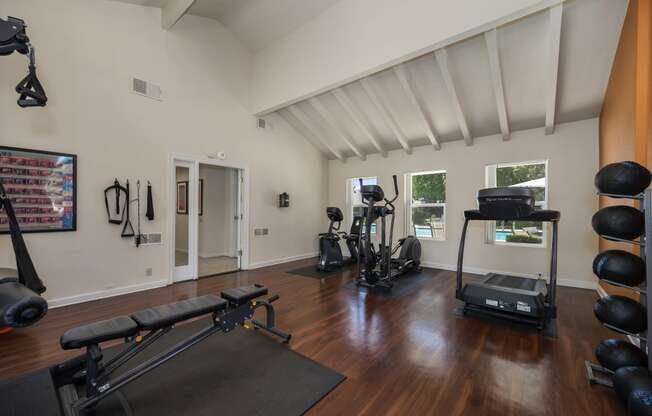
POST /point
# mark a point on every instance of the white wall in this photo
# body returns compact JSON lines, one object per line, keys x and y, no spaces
{"x":572,"y":153}
{"x":357,"y":37}
{"x":87,"y":51}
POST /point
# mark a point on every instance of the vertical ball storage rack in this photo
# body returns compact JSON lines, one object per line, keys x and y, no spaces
{"x":596,"y":374}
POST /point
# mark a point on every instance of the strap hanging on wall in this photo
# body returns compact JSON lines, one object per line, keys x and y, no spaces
{"x":150,"y":203}
{"x":26,"y":272}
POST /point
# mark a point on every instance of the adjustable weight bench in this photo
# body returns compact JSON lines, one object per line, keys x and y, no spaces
{"x":233,"y":308}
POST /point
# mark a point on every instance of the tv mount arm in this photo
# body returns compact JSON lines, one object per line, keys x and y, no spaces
{"x":13,"y":38}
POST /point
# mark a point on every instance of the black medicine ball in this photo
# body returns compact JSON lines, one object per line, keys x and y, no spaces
{"x":623,"y":178}
{"x":621,"y":221}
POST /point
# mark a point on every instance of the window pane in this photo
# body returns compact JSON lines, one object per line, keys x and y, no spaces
{"x":531,"y":176}
{"x":355,"y":189}
{"x":428,"y":222}
{"x":429,"y":189}
{"x":524,"y":232}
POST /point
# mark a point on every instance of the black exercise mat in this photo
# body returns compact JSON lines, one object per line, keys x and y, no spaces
{"x":549,"y":331}
{"x":403,"y":285}
{"x":311,"y":271}
{"x":29,"y":395}
{"x":240,"y":373}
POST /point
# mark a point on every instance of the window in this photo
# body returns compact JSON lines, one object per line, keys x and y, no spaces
{"x":354,"y":200}
{"x":427,"y":205}
{"x":533,"y":175}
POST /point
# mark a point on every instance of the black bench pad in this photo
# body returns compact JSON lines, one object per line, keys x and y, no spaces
{"x":242,"y":295}
{"x":83,"y":336}
{"x":166,"y":315}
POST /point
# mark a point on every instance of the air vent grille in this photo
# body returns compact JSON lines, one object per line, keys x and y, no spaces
{"x":146,"y":89}
{"x":150,"y":239}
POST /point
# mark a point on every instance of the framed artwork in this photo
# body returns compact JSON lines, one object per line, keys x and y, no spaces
{"x":201,"y":197}
{"x":42,"y":187}
{"x":182,"y":197}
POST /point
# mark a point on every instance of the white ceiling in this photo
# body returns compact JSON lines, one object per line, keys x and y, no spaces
{"x":589,"y":37}
{"x":256,"y":23}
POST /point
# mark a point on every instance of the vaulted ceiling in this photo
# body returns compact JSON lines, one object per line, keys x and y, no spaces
{"x":547,"y":68}
{"x":256,"y":23}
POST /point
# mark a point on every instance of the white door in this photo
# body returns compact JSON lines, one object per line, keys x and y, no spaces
{"x":238,"y":214}
{"x":184,"y":220}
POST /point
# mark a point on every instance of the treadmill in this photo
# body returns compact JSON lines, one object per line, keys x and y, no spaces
{"x":521,"y":299}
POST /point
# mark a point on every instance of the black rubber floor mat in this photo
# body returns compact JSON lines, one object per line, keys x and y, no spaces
{"x":239,"y":373}
{"x":403,"y":285}
{"x":311,"y":271}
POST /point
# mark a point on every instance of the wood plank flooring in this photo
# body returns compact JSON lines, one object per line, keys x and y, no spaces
{"x":402,"y":356}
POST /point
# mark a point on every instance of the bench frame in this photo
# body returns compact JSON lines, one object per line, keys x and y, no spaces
{"x":97,"y":375}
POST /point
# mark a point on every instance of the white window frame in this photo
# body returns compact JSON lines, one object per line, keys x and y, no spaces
{"x":349,"y":201}
{"x":490,"y":182}
{"x":410,"y":204}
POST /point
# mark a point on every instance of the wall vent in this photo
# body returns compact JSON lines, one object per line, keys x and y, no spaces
{"x":146,"y":89}
{"x":150,"y":239}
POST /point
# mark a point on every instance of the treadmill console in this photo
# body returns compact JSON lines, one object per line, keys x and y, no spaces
{"x":507,"y":203}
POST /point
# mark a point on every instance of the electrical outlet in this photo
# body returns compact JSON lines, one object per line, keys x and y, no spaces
{"x":148,"y":272}
{"x":261,"y":231}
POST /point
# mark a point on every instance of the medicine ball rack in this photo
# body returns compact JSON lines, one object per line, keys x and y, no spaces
{"x":596,"y":373}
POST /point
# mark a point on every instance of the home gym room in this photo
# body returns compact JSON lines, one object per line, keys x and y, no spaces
{"x":423,"y":206}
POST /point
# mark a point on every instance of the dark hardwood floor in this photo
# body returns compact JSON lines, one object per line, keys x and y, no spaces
{"x":402,"y":356}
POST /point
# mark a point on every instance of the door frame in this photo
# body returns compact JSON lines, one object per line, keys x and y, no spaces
{"x":193,"y":220}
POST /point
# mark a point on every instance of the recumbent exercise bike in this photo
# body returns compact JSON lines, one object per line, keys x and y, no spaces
{"x":330,"y":252}
{"x":377,"y":268}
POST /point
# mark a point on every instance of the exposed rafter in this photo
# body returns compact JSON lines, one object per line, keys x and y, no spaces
{"x":442,"y":60}
{"x":385,"y":113}
{"x":554,"y":42}
{"x":406,"y":82}
{"x":359,"y":119}
{"x":491,"y":40}
{"x":313,"y":130}
{"x":330,"y":119}
{"x":173,"y":11}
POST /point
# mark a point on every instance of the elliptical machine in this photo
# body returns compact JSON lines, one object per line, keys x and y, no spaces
{"x":330,"y":252}
{"x":377,"y":268}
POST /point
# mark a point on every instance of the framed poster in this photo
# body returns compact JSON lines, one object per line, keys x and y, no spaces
{"x":182,"y":197}
{"x":42,"y":187}
{"x":201,"y":197}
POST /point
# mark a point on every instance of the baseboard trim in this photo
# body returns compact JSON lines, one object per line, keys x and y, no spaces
{"x":87,"y":297}
{"x":209,"y":255}
{"x":266,"y":263}
{"x":580,"y":284}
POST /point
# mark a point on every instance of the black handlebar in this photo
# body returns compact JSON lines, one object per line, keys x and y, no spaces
{"x":395,"y":186}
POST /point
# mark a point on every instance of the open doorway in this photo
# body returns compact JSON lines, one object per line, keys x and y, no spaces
{"x":208,"y":231}
{"x":218,"y":218}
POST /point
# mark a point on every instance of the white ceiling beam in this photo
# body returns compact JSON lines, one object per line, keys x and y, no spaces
{"x":301,"y":129}
{"x":313,"y":130}
{"x":359,"y":119}
{"x":386,"y":115}
{"x":491,"y":39}
{"x":442,"y":61}
{"x":406,"y":82}
{"x":173,"y":11}
{"x":332,"y":122}
{"x":554,"y":42}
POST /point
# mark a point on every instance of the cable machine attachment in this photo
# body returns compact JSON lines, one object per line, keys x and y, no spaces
{"x":13,"y":38}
